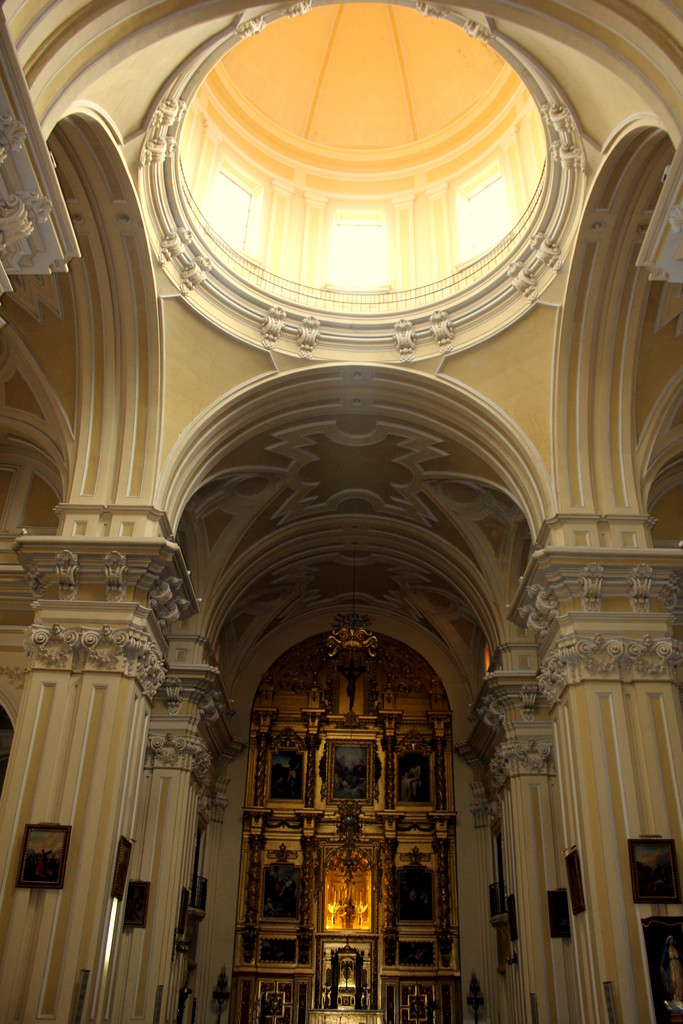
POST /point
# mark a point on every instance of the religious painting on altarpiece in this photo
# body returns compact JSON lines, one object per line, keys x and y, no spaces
{"x":350,"y":777}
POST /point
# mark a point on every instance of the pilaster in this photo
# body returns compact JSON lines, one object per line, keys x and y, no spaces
{"x":605,"y":625}
{"x":93,"y":669}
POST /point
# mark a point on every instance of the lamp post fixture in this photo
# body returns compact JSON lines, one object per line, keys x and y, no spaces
{"x":475,"y":999}
{"x":221,"y":993}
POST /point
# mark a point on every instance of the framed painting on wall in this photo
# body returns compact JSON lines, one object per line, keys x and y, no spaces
{"x":558,"y":913}
{"x":654,"y":872}
{"x":137,"y":897}
{"x":43,"y":856}
{"x":575,"y":882}
{"x":511,"y":905}
{"x":121,"y":863}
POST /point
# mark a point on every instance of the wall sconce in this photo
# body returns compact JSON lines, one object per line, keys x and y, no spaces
{"x":221,"y":993}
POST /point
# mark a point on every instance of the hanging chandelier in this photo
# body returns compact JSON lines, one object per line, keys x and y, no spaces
{"x":351,"y":632}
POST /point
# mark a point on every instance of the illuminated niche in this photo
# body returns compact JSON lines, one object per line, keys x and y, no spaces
{"x":348,"y":892}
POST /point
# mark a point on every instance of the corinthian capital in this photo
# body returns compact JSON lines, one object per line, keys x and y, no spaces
{"x":514,"y":758}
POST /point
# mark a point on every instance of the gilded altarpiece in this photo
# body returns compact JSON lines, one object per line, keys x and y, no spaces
{"x":348,"y":899}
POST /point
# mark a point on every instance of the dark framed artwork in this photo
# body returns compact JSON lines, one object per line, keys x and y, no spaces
{"x":663,"y":940}
{"x":182,"y":911}
{"x":512,"y":916}
{"x":118,"y":885}
{"x":575,"y":882}
{"x":558,"y":913}
{"x":43,"y":856}
{"x":413,"y":779}
{"x":286,"y":775}
{"x":415,"y":894}
{"x":351,"y":775}
{"x":277,"y":951}
{"x":416,"y":954}
{"x":654,"y":872}
{"x":281,"y":891}
{"x":137,"y":897}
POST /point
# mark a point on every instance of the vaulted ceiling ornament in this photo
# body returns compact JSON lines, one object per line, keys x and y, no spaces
{"x":352,"y":635}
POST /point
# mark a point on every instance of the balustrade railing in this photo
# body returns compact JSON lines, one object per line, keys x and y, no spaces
{"x":385,"y":301}
{"x":198,"y":893}
{"x":497,"y":898}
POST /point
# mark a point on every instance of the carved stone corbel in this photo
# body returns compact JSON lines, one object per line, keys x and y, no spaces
{"x":404,"y":340}
{"x":68,"y":574}
{"x":308,"y":333}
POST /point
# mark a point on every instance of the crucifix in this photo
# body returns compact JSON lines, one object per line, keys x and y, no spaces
{"x":351,"y":673}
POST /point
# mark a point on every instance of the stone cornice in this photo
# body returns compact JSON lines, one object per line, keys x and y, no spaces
{"x":593,"y":579}
{"x":110,"y":570}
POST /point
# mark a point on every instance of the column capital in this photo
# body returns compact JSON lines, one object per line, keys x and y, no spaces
{"x":514,"y":758}
{"x":128,"y":643}
{"x":617,"y":657}
{"x":185,"y":753}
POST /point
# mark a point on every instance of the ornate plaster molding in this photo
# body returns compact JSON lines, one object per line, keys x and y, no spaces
{"x":186,"y":753}
{"x":639,"y":585}
{"x":166,"y":598}
{"x":115,"y":571}
{"x":601,"y":587}
{"x":591,"y":586}
{"x":482,"y":811}
{"x":159,"y":145}
{"x":36,"y":233}
{"x":404,"y":340}
{"x":246,"y":29}
{"x":128,"y":651}
{"x":477,"y":30}
{"x":539,"y":611}
{"x":68,"y":574}
{"x":308,"y":333}
{"x":514,"y":758}
{"x":493,"y":707}
{"x":607,"y":657}
{"x":443,"y":329}
{"x":566,"y":145}
{"x":201,"y":694}
{"x":272,"y":326}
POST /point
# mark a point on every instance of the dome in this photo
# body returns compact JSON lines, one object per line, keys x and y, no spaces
{"x":364,"y":77}
{"x":361,"y":147}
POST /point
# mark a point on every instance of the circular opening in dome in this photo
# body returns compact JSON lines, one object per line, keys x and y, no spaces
{"x":361,"y":149}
